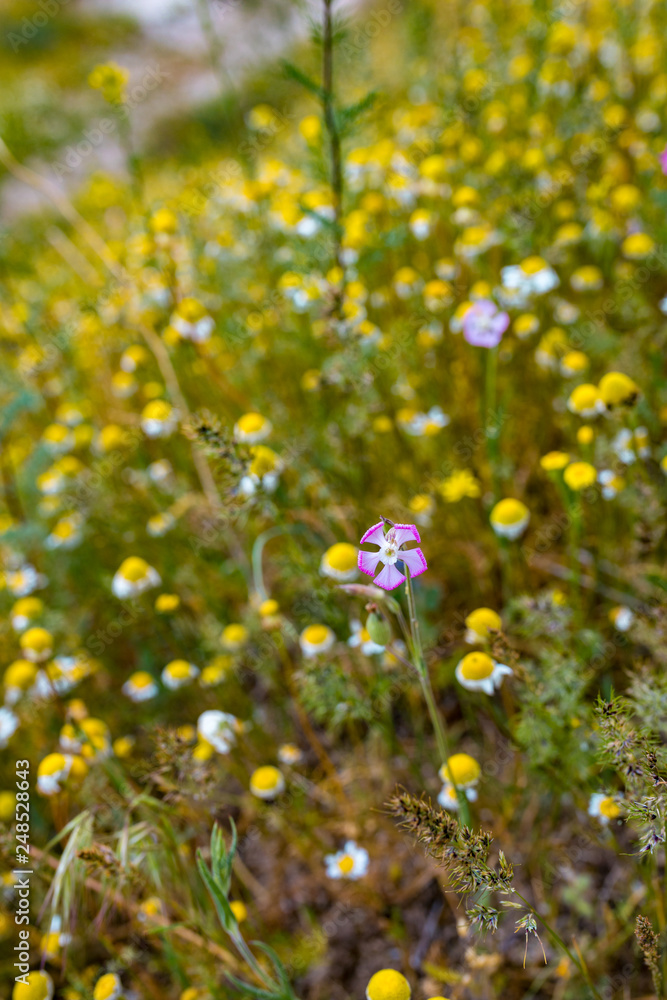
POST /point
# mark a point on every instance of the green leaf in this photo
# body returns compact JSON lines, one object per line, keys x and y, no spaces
{"x":295,"y":73}
{"x":277,"y":965}
{"x":347,"y":116}
{"x":253,"y":991}
{"x":225,"y":915}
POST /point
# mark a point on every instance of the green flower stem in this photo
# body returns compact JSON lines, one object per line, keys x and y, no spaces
{"x":574,"y":540}
{"x":491,"y":431}
{"x":419,"y":664}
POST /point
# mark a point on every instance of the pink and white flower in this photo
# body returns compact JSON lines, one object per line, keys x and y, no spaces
{"x":483,"y":325}
{"x":391,"y":551}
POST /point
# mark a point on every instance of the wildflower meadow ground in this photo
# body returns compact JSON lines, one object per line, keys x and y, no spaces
{"x":333,"y":468}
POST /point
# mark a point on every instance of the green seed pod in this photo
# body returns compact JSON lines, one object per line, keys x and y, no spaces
{"x":378,"y":629}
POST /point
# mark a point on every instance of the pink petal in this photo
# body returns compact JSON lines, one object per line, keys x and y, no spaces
{"x":501,"y":322}
{"x":414,"y":560}
{"x":484,"y":308}
{"x":406,"y":533}
{"x":368,"y":562}
{"x":374,"y":534}
{"x":389,"y":579}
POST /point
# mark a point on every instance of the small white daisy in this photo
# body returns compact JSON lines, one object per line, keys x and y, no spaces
{"x":478,"y":672}
{"x":140,"y":686}
{"x":219,"y":729}
{"x":178,"y":673}
{"x":316,"y":639}
{"x":350,"y":863}
{"x":133,"y":577}
{"x":604,"y":807}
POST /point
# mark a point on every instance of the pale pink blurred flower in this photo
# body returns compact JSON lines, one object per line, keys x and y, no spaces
{"x":390,"y":552}
{"x":483,"y":325}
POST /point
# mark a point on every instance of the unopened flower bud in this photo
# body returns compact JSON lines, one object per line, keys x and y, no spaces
{"x":378,"y":629}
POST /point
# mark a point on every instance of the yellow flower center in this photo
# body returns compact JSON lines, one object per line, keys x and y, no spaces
{"x":316,"y":635}
{"x":264,"y":460}
{"x":134,"y":569}
{"x":483,"y":619}
{"x":52,"y":764}
{"x":532,"y":265}
{"x":476,"y":666}
{"x":387,"y":984}
{"x":159,"y":409}
{"x":178,"y":669}
{"x":266,"y":778}
{"x":509,"y":511}
{"x":20,"y":674}
{"x":609,"y":808}
{"x":234,"y":634}
{"x":142,"y":679}
{"x":461,"y":769}
{"x":554,"y":460}
{"x":342,"y":557}
{"x":167,"y":602}
{"x":191,"y":310}
{"x":346,"y":864}
{"x":580,"y":475}
{"x":37,"y":639}
{"x":250,"y":423}
{"x":575,"y":361}
{"x":616,"y":388}
{"x":105,"y":987}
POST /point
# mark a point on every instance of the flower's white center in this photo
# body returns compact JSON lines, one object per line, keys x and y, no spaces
{"x":389,"y":549}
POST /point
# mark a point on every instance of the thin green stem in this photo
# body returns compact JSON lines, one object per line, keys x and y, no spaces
{"x":419,"y":664}
{"x":215,"y":46}
{"x":331,"y":124}
{"x":491,"y":429}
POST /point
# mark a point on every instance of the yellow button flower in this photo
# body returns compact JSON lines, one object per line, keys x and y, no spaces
{"x":133,"y":577}
{"x":387,"y":984}
{"x":553,"y":461}
{"x":617,"y":389}
{"x":316,"y":639}
{"x":252,"y":428}
{"x":479,"y":672}
{"x":580,"y":475}
{"x":585,"y":401}
{"x":239,"y":910}
{"x":166,"y":603}
{"x":38,"y":987}
{"x":108,"y":987}
{"x":340,"y":562}
{"x":509,"y":518}
{"x":36,"y":644}
{"x":461,"y":770}
{"x":480,"y":623}
{"x":267,"y":782}
{"x":234,"y":636}
{"x":637,"y":246}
